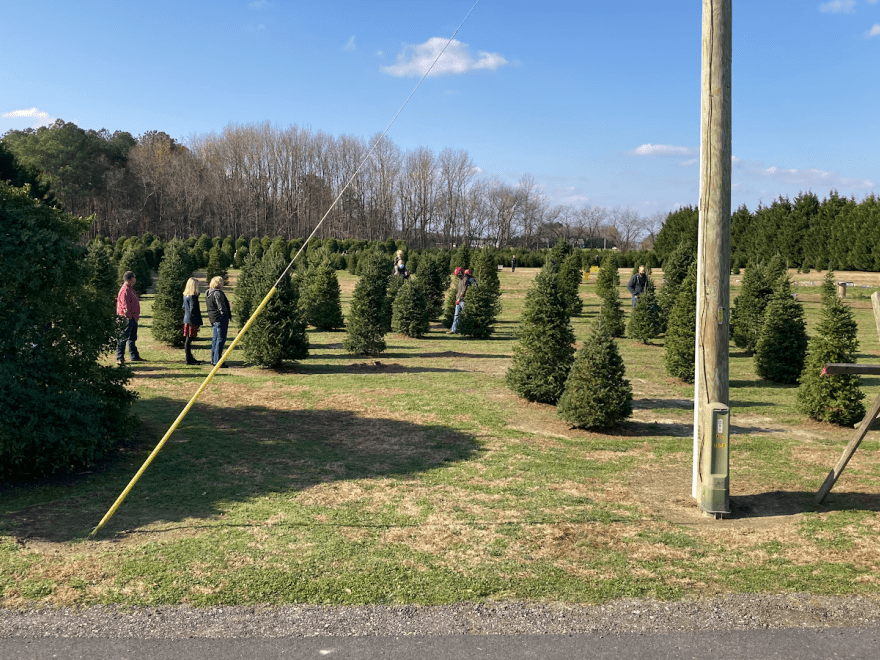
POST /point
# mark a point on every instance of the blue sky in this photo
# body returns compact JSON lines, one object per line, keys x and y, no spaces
{"x":600,"y":101}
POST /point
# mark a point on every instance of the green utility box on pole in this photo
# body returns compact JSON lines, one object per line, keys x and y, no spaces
{"x":715,"y":465}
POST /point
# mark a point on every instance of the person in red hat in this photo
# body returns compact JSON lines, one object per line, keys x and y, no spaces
{"x":465,"y":281}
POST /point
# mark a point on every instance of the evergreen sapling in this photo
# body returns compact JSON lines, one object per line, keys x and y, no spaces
{"x":782,"y":345}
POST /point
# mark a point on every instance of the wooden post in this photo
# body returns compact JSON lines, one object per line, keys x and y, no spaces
{"x":713,"y":250}
{"x":841,"y":289}
{"x":875,"y":303}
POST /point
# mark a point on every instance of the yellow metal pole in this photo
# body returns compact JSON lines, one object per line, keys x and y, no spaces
{"x":183,"y":413}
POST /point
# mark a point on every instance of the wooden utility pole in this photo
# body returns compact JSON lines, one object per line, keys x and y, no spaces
{"x":711,"y":383}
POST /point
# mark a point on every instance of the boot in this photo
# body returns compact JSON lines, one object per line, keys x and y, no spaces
{"x":187,"y":349}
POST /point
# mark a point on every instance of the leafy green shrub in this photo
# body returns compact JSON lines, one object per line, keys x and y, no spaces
{"x":61,"y":410}
{"x":597,"y":394}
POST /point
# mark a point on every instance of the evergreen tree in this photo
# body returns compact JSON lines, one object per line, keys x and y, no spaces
{"x":61,"y":409}
{"x":102,"y":274}
{"x":597,"y":394}
{"x":782,"y":345}
{"x":434,"y":276}
{"x":835,"y":399}
{"x":174,"y":271}
{"x":240,"y":254}
{"x":215,"y":264}
{"x":560,"y":250}
{"x":570,"y":278}
{"x":645,"y":323}
{"x":829,"y":288}
{"x":410,"y":310}
{"x":391,"y":290}
{"x":607,"y":279}
{"x":775,"y":269}
{"x":279,"y":332}
{"x":675,"y":270}
{"x":449,"y":308}
{"x":461,"y":258}
{"x":544,"y":352}
{"x":245,"y":293}
{"x":364,"y":332}
{"x":611,"y":313}
{"x":483,"y":302}
{"x":681,"y":330}
{"x":321,"y":298}
{"x":135,"y":260}
{"x":747,"y":315}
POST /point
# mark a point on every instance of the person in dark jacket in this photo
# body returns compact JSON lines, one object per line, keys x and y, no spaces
{"x":465,"y":281}
{"x":218,"y":314}
{"x":513,"y":264}
{"x":192,"y":318}
{"x":637,"y":284}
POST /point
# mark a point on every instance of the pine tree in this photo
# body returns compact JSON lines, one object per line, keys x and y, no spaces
{"x":775,"y":269}
{"x":782,"y":346}
{"x":597,"y":394}
{"x":215,"y":264}
{"x":747,"y":315}
{"x":395,"y":283}
{"x":544,"y":352}
{"x":675,"y":270}
{"x":681,"y":330}
{"x":320,"y":298}
{"x":829,"y":288}
{"x":102,"y":274}
{"x":449,"y":308}
{"x":611,"y":313}
{"x":174,"y":271}
{"x":245,"y":294}
{"x":364,"y":332}
{"x":483,"y":302}
{"x":645,"y":323}
{"x":434,"y":276}
{"x":835,"y":399}
{"x":279,"y":332}
{"x":607,"y":279}
{"x":410,"y":310}
{"x":570,"y":278}
{"x":461,"y":258}
{"x":135,"y":260}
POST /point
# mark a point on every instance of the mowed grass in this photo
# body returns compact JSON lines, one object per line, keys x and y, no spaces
{"x":417,"y":477}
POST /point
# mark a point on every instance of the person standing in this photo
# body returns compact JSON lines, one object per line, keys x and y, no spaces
{"x":513,"y":264}
{"x":637,"y":284}
{"x":465,"y":281}
{"x":218,"y":314}
{"x":192,"y":318}
{"x":128,"y":305}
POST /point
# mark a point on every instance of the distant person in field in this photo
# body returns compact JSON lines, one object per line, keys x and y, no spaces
{"x":398,"y":258}
{"x":513,"y":264}
{"x":400,"y":270}
{"x":218,"y":314}
{"x":637,"y":284}
{"x":192,"y":318}
{"x":465,"y":281}
{"x":128,"y":305}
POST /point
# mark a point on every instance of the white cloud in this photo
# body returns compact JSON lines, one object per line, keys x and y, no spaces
{"x":813,"y":177}
{"x":350,"y":44}
{"x":689,"y":162}
{"x":874,"y":31}
{"x":660,"y":150}
{"x":838,"y":7}
{"x":414,"y":60}
{"x":41,"y":118}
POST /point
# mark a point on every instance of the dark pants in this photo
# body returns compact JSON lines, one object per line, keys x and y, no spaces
{"x":129,"y":335}
{"x":218,"y":339}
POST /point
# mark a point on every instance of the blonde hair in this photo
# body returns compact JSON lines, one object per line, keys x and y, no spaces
{"x":192,"y":287}
{"x":217,"y":282}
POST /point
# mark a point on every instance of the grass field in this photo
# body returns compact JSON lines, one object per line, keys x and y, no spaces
{"x":418,"y":477}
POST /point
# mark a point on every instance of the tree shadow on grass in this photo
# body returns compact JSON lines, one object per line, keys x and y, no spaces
{"x":223,"y":455}
{"x":789,"y":503}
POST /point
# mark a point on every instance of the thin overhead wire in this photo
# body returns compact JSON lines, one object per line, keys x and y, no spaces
{"x":268,"y":296}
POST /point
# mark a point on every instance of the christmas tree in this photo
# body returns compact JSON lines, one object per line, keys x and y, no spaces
{"x":174,"y":271}
{"x":483,"y":301}
{"x":364,"y":332}
{"x":645,"y":323}
{"x":570,"y":277}
{"x":320,"y":298}
{"x":597,"y":394}
{"x":747,"y":315}
{"x":410,"y":310}
{"x":544,"y":352}
{"x":782,"y":345}
{"x":681,"y":330}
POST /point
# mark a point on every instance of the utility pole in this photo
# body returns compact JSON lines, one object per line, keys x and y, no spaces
{"x":711,"y":383}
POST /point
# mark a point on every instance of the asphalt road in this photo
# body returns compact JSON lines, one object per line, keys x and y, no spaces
{"x":794,"y":643}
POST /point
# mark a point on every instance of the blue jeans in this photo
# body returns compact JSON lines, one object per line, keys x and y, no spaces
{"x":218,"y":339}
{"x":458,"y":308}
{"x":635,"y":299}
{"x":129,"y":335}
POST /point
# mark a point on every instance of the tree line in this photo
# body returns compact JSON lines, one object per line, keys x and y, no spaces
{"x":836,"y":233}
{"x":258,"y":179}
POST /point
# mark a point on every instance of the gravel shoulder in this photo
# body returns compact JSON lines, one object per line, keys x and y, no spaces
{"x":729,"y":613}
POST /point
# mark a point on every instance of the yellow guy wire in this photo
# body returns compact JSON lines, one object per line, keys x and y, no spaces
{"x":269,"y":295}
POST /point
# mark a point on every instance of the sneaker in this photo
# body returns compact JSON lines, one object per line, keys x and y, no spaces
{"x":137,"y":359}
